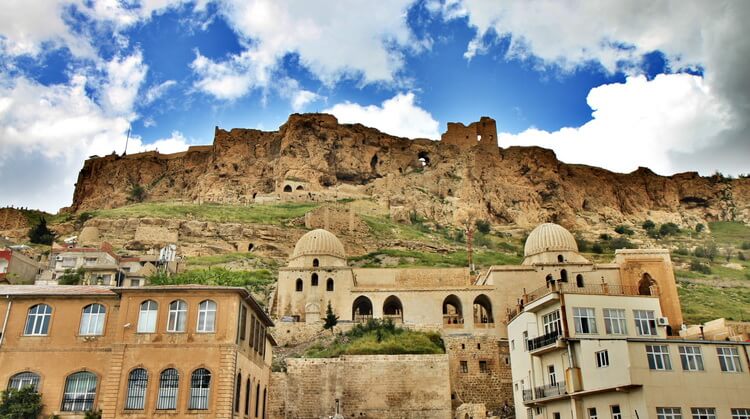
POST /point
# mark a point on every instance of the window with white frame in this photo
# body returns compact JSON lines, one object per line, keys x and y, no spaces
{"x":585,"y":319}
{"x":80,"y":392}
{"x":740,"y":413}
{"x":668,"y":413}
{"x":37,"y":321}
{"x":24,"y":379}
{"x":177,"y":316}
{"x":92,"y":320}
{"x":645,"y":322}
{"x":616,"y":413}
{"x":169,"y":382}
{"x":729,"y":359}
{"x":703,"y":412}
{"x":206,"y":316}
{"x":691,"y":358}
{"x":551,"y":322}
{"x":69,"y":262}
{"x":200,"y":387}
{"x":658,"y":357}
{"x":602,"y":359}
{"x":552,"y":375}
{"x":592,"y":413}
{"x":147,"y":317}
{"x":614,"y":321}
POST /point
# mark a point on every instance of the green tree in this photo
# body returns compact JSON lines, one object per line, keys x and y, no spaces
{"x":331,"y":319}
{"x":699,"y":227}
{"x":483,"y":226}
{"x":41,"y":234}
{"x":648,"y":225}
{"x":623,"y":229}
{"x":137,"y":193}
{"x":25,"y":403}
{"x":71,"y":277}
{"x":669,"y":229}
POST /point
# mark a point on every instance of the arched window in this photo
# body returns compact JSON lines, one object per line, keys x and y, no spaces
{"x":299,"y":188}
{"x":206,"y":316}
{"x":80,"y":392}
{"x":177,"y":316}
{"x":238,"y":393}
{"x":316,"y":263}
{"x":288,"y":188}
{"x":248,"y":392}
{"x":314,"y":280}
{"x":645,"y":284}
{"x":549,"y":280}
{"x":579,"y":281}
{"x":362,"y":309}
{"x":24,"y":379}
{"x":329,"y":284}
{"x":298,"y":286}
{"x":147,"y":317}
{"x":393,"y":310}
{"x":452,"y":313}
{"x":560,"y":259}
{"x":483,"y":310}
{"x":564,"y":275}
{"x":257,"y":398}
{"x":137,"y":385}
{"x":37,"y":321}
{"x":200,"y":387}
{"x":169,"y":383}
{"x":92,"y":320}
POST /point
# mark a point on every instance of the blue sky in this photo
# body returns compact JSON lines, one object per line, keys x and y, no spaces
{"x":605,"y":83}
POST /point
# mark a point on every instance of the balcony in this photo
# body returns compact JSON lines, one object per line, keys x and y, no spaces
{"x":453,"y":321}
{"x":544,"y":392}
{"x":545,"y":343}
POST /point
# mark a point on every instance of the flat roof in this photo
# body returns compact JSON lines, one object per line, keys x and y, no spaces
{"x":55,"y":290}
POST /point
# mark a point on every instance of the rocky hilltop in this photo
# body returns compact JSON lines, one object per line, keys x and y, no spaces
{"x":314,"y":158}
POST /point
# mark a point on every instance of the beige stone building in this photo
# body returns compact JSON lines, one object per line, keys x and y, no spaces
{"x":99,"y":264}
{"x":603,"y":351}
{"x":156,"y":352}
{"x":17,"y":268}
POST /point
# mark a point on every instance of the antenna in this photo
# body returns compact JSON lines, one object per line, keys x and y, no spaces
{"x":126,"y":143}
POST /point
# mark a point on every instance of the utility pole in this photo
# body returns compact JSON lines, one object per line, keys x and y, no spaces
{"x":126,"y":143}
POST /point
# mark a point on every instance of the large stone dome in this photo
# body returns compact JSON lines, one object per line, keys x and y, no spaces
{"x":319,"y":243}
{"x":549,"y":237}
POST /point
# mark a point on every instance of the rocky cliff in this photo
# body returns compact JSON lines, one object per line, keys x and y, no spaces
{"x":313,"y":157}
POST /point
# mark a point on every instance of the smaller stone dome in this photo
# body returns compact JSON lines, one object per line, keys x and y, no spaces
{"x":549,"y":237}
{"x":319,"y":243}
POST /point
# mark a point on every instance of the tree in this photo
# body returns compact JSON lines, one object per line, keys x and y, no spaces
{"x":41,"y":234}
{"x":669,"y":229}
{"x":699,"y":227}
{"x":711,"y":251}
{"x":71,"y":277}
{"x":331,"y":319}
{"x":483,"y":226}
{"x":25,"y":403}
{"x":648,"y":225}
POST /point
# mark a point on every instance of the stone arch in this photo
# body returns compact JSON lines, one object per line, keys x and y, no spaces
{"x":287,"y":188}
{"x":579,"y":281}
{"x":393,"y":309}
{"x":329,"y":284}
{"x":549,"y":280}
{"x":300,"y":188}
{"x":482,"y":310}
{"x":316,"y":263}
{"x":560,"y":259}
{"x":298,"y":285}
{"x":314,"y":280}
{"x":564,"y":275}
{"x":250,"y":247}
{"x":645,"y":284}
{"x":361,"y":309}
{"x":452,"y":312}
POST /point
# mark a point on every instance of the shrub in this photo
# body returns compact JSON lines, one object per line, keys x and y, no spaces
{"x":255,"y":280}
{"x":93,"y":414}
{"x":71,"y":277}
{"x":745,"y":245}
{"x":682,"y":251}
{"x":583,"y":244}
{"x":483,"y":226}
{"x":697,"y":266}
{"x":137,"y":193}
{"x":25,"y":403}
{"x":699,"y":227}
{"x":621,"y":243}
{"x":605,"y":236}
{"x":41,"y":234}
{"x":331,"y":319}
{"x":597,"y":248}
{"x":648,"y":225}
{"x":623,"y":229}
{"x":669,"y":229}
{"x":653,"y":233}
{"x":741,"y":256}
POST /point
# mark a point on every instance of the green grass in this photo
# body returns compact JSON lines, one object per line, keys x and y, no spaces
{"x":413,"y":258}
{"x":275,"y":214}
{"x":379,"y":338}
{"x":701,"y":303}
{"x":729,"y":232}
{"x":256,"y":280}
{"x":384,"y":228}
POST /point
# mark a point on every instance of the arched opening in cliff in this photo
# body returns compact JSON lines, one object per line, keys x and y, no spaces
{"x":288,"y":188}
{"x":250,"y":247}
{"x":393,"y":310}
{"x":647,"y":285}
{"x":483,"y":310}
{"x":300,"y":188}
{"x":450,"y":192}
{"x":424,"y":158}
{"x":374,"y":162}
{"x":362,"y":309}
{"x":452,"y":313}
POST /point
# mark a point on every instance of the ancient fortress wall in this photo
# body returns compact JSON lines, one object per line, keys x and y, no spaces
{"x":363,"y":386}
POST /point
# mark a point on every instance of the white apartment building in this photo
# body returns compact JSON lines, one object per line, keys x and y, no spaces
{"x":602,"y":351}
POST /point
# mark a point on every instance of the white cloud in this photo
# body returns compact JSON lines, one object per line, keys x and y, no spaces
{"x":158,"y":90}
{"x":398,"y":115}
{"x":173,"y":144}
{"x":228,"y":80}
{"x":638,"y":123}
{"x":124,"y":78}
{"x":298,"y":97}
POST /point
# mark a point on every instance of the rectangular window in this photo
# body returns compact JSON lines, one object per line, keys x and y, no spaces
{"x":668,"y":413}
{"x":464,"y":366}
{"x":592,"y":413}
{"x":552,"y":322}
{"x":703,"y":412}
{"x":69,"y":262}
{"x":645,"y":322}
{"x":483,"y":366}
{"x":615,"y":409}
{"x":552,"y":375}
{"x":740,"y":413}
{"x":691,"y":358}
{"x":585,"y":319}
{"x":729,"y":359}
{"x":614,"y":321}
{"x":556,"y":415}
{"x":243,"y":322}
{"x":658,"y":357}
{"x":602,"y":359}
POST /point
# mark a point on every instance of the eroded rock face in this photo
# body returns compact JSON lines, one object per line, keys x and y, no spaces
{"x":317,"y":159}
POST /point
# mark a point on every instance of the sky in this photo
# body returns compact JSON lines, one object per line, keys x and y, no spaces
{"x":620,"y":85}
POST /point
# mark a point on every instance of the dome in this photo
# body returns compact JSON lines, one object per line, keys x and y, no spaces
{"x":549,"y":237}
{"x":319,"y":243}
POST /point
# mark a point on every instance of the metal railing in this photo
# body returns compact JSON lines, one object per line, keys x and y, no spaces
{"x":544,"y":392}
{"x":542,"y":341}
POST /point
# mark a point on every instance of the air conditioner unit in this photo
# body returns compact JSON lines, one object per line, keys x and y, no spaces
{"x":662,"y":321}
{"x":59,"y":258}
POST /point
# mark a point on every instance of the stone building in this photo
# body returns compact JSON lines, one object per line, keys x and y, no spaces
{"x":100,"y":265}
{"x":156,"y":352}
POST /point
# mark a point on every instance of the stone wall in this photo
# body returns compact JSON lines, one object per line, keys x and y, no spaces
{"x":364,"y":386}
{"x":493,"y":386}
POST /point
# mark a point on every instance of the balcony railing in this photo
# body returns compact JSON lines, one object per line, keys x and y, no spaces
{"x":544,"y":392}
{"x":542,"y":341}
